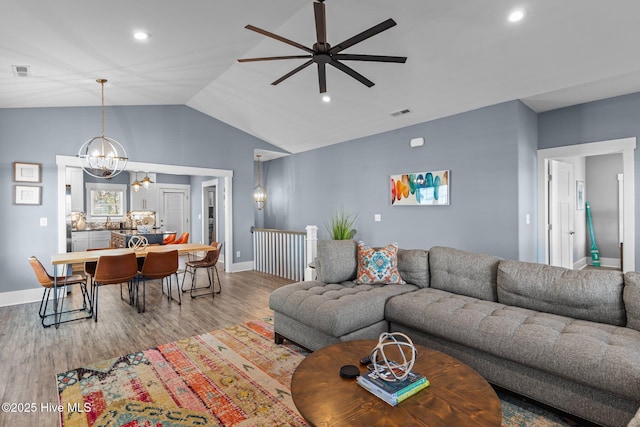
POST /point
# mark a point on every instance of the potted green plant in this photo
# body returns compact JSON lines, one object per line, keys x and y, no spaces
{"x":340,"y":227}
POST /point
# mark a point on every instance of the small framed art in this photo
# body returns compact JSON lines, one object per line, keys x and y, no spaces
{"x":28,"y":195}
{"x":26,"y":172}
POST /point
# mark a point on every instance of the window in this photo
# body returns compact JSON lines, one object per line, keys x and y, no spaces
{"x":106,"y":200}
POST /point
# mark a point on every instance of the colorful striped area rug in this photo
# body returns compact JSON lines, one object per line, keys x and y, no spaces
{"x":234,"y":376}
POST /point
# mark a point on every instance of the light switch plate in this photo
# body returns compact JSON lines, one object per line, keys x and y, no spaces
{"x":43,"y":222}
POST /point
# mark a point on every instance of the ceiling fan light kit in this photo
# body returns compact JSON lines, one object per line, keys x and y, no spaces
{"x":322,"y":53}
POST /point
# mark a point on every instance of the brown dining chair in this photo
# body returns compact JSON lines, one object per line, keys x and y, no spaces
{"x":47,"y":281}
{"x":90,"y":267}
{"x":159,"y":265}
{"x":112,"y":270}
{"x":209,"y":263}
{"x":169,"y":239}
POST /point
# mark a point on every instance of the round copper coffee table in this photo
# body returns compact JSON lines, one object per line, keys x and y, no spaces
{"x":457,"y":396}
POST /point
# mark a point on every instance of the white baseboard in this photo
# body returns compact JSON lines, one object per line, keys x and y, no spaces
{"x":20,"y":297}
{"x":580,"y":264}
{"x":241,"y":266}
{"x":608,"y":262}
{"x":604,"y":262}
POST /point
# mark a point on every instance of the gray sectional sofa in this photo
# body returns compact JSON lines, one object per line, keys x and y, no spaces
{"x":569,"y":339}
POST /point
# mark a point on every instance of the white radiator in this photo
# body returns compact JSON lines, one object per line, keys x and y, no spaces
{"x":280,"y":252}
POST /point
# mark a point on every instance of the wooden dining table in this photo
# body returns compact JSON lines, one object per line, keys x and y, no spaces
{"x":65,"y":258}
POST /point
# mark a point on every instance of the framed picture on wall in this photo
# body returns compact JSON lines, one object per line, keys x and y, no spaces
{"x":579,"y":195}
{"x":27,"y":195}
{"x":428,"y":188}
{"x":26,"y":172}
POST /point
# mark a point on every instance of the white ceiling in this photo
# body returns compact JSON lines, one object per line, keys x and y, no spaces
{"x":462,"y":55}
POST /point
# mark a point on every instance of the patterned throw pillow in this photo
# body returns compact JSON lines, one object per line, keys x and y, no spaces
{"x":378,"y":265}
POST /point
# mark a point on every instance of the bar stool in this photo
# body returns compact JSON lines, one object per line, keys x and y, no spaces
{"x":208,"y":262}
{"x":112,"y":270}
{"x":159,"y":265}
{"x":47,"y":281}
{"x":184,"y":238}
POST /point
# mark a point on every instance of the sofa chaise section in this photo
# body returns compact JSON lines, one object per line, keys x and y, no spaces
{"x":334,"y":308}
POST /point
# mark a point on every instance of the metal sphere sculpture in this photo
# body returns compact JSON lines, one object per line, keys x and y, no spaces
{"x":381,"y":364}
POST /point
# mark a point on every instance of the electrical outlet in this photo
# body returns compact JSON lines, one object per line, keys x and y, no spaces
{"x":238,"y":254}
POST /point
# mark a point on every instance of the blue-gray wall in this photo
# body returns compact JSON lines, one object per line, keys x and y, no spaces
{"x":171,"y":134}
{"x":490,"y":153}
{"x":604,"y":120}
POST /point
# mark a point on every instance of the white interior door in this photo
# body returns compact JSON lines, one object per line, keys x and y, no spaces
{"x":174,"y":210}
{"x":561,"y":211}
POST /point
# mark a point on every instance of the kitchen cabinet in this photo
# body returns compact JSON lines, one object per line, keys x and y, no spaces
{"x":100,"y":239}
{"x":75,"y":180}
{"x":92,"y":239}
{"x":145,"y":198}
{"x":79,"y":241}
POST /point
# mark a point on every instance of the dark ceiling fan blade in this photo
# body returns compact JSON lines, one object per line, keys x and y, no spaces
{"x":363,"y":35}
{"x":272,"y":58}
{"x":322,"y":76}
{"x":375,"y":58}
{"x":279,"y":38}
{"x":321,"y":25}
{"x":353,"y":73}
{"x":292,"y":72}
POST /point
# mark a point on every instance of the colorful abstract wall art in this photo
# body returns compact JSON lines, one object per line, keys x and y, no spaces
{"x":420,"y":188}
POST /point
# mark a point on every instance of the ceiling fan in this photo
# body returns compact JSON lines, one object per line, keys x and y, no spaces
{"x":322,"y":53}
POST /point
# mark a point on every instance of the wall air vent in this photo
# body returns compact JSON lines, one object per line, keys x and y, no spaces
{"x":400,"y":113}
{"x":21,"y":70}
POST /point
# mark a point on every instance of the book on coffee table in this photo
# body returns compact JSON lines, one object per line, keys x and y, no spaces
{"x":391,"y":399}
{"x":383,"y":383}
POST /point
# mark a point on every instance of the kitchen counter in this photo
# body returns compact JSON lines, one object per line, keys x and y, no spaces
{"x":120,"y":238}
{"x":118,"y":230}
{"x":133,"y":232}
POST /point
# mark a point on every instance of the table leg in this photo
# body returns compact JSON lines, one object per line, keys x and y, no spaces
{"x":56,"y":315}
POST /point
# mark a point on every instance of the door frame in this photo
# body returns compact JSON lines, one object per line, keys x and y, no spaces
{"x":175,"y":188}
{"x":627,"y":147}
{"x":205,"y":210}
{"x":225,"y":174}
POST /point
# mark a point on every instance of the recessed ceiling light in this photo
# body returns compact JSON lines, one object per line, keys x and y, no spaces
{"x":516,"y":15}
{"x":141,"y":35}
{"x":326,"y":98}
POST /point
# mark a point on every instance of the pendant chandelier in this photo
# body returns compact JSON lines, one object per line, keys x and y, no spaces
{"x":259,"y":192}
{"x":101,"y":156}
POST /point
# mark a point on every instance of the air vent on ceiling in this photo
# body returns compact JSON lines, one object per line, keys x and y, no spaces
{"x":401,"y":112}
{"x":21,"y":70}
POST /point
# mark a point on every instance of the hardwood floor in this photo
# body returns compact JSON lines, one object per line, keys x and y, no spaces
{"x":31,"y":356}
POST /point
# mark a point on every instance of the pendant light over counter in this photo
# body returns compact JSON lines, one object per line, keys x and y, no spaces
{"x":101,"y":156}
{"x":146,"y":181}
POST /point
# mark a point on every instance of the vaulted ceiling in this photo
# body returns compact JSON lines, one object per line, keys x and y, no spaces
{"x":462,"y":55}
